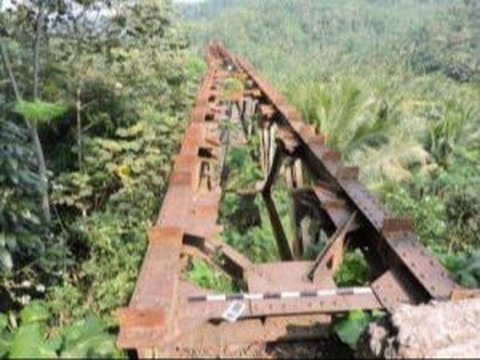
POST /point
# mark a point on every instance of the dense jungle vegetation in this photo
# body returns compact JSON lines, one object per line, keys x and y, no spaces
{"x":94,"y":96}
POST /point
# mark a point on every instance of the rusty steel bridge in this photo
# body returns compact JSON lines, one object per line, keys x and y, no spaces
{"x":291,"y":299}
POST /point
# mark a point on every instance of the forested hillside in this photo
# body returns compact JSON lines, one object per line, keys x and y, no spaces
{"x":95,"y":95}
{"x":325,"y":37}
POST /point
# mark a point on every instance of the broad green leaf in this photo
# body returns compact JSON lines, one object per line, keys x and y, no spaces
{"x":96,"y":346}
{"x":467,"y":280}
{"x":111,"y":145}
{"x":136,"y":129}
{"x":54,"y":343}
{"x":88,"y":339}
{"x":5,"y":259}
{"x":28,"y":343}
{"x":5,"y":343}
{"x":34,"y":312}
{"x":132,"y":131}
{"x":171,"y":121}
{"x":350,"y":328}
{"x":82,"y":330}
{"x":40,"y":111}
{"x":3,"y":321}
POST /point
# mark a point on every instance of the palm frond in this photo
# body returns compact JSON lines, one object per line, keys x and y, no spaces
{"x":393,"y":161}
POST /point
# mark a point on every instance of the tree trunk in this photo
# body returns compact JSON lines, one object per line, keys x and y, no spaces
{"x":36,"y":50}
{"x":79,"y":129}
{"x":8,"y":70}
{"x":42,"y":169}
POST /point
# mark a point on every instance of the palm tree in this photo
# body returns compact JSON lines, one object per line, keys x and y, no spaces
{"x":347,"y":118}
{"x":455,"y":133}
{"x":392,"y":162}
{"x":371,"y":133}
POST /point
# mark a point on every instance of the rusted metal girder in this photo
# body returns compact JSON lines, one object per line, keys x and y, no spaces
{"x":160,"y":314}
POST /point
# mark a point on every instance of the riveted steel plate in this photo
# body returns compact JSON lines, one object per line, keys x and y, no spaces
{"x":365,"y":202}
{"x":391,"y":290}
{"x":282,"y":328}
{"x":426,"y":269}
{"x":293,"y":275}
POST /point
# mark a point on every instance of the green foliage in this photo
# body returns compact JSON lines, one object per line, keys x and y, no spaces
{"x":240,"y":211}
{"x":115,"y":199}
{"x":464,"y":267}
{"x":343,"y":114}
{"x":88,"y":339}
{"x":350,"y":328}
{"x":453,"y":134}
{"x":243,"y":215}
{"x":28,"y":342}
{"x":129,"y":167}
{"x":40,"y":111}
{"x":457,"y":187}
{"x":101,"y":236}
{"x":195,"y":67}
{"x":19,"y":188}
{"x":343,"y":36}
{"x":27,"y":252}
{"x":85,"y":339}
{"x":447,"y":43}
{"x":257,"y":243}
{"x":250,"y":233}
{"x":5,"y":258}
{"x":205,"y":276}
{"x":33,"y":313}
{"x":244,"y":172}
{"x":428,"y":214}
{"x":353,"y":271}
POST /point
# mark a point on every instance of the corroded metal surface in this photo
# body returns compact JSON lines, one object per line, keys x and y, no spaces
{"x":284,"y":328}
{"x":392,"y":290}
{"x":322,"y":189}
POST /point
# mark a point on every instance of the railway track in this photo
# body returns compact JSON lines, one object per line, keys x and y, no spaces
{"x":291,"y":299}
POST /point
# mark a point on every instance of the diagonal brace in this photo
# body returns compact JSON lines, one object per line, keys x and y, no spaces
{"x":280,"y":237}
{"x":330,"y":258}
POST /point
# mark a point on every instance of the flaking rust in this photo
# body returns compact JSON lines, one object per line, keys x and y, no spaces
{"x":160,"y":316}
